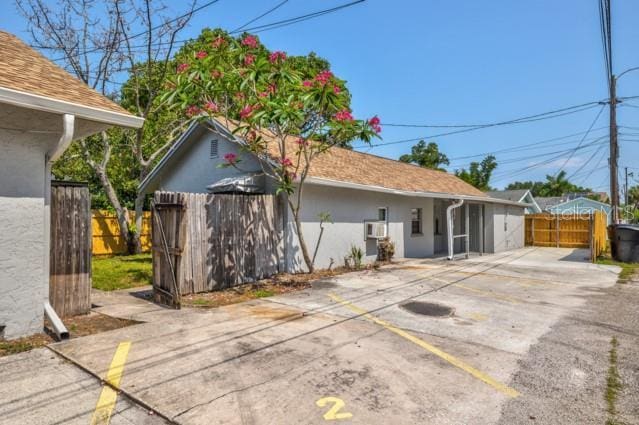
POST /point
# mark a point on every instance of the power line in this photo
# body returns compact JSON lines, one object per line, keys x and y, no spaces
{"x":512,"y":173}
{"x":537,"y":117}
{"x":526,"y":146}
{"x":256,"y":29}
{"x":583,"y":138}
{"x":257,"y":18}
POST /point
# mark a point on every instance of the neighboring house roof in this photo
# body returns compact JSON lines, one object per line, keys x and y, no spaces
{"x":548,"y":201}
{"x":509,"y":195}
{"x":348,"y":168}
{"x":518,"y":195}
{"x":582,"y":201}
{"x":30,"y":80}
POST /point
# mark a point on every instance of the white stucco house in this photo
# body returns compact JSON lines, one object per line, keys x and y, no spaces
{"x":363,"y":193}
{"x":42,"y":109}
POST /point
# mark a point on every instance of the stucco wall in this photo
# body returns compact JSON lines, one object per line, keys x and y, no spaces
{"x":192,"y":169}
{"x":349,"y":209}
{"x":504,"y":228}
{"x":23,"y":281}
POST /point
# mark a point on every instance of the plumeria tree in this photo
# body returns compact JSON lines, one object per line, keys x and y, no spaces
{"x":276,"y":110}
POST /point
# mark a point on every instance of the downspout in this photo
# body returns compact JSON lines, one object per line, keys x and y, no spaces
{"x":449,"y":225}
{"x":68,"y":128}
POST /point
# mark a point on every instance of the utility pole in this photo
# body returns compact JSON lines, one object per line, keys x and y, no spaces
{"x":614,"y":151}
{"x":626,"y":191}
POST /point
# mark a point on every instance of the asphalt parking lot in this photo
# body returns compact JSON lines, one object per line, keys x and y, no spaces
{"x":350,"y":349}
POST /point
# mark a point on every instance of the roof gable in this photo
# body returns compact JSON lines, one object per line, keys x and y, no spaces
{"x":344,"y":165}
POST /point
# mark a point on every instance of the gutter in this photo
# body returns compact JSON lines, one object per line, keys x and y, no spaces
{"x":439,"y":195}
{"x":58,"y":327}
{"x":68,"y":129}
{"x":47,"y":104}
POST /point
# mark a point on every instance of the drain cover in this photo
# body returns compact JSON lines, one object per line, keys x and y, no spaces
{"x":428,"y":309}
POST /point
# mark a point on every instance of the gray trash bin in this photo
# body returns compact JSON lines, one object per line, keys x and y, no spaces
{"x":626,"y":243}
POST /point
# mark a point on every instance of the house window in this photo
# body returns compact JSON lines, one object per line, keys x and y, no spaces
{"x":213,"y":148}
{"x":382,"y":214}
{"x":416,"y":221}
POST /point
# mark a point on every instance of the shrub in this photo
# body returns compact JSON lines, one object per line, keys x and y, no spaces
{"x":357,"y":255}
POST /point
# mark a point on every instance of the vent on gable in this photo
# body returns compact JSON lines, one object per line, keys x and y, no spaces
{"x":214,"y":148}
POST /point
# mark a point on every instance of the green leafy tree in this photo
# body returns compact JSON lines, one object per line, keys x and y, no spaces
{"x":555,"y":185}
{"x":427,"y":156}
{"x":479,"y":173}
{"x":96,"y":42}
{"x":284,"y":116}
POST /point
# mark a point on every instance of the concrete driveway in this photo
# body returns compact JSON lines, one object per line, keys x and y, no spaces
{"x":350,"y":350}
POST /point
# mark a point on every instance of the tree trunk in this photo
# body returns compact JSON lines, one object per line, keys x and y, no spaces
{"x":300,"y":236}
{"x":139,"y":215}
{"x":121,"y":212}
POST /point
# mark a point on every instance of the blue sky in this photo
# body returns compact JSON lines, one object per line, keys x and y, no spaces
{"x":441,"y":62}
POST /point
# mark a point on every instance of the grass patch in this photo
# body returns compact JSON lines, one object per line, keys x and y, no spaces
{"x":627,"y":269}
{"x":23,"y":344}
{"x":263,"y":293}
{"x":613,"y":384}
{"x":122,"y":271}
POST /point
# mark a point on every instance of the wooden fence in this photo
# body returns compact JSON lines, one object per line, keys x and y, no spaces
{"x":106,"y":233}
{"x":567,"y":231}
{"x":70,"y":249}
{"x":217,"y":242}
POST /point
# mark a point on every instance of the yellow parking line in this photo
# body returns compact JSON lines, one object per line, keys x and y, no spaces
{"x":108,"y":396}
{"x":511,"y":392}
{"x":480,"y":291}
{"x":489,"y":294}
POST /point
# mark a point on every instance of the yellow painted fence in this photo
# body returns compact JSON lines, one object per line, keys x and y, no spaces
{"x":568,"y":231}
{"x":106,"y":233}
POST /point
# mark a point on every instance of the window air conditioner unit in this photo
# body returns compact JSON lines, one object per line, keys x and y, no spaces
{"x":375,"y":229}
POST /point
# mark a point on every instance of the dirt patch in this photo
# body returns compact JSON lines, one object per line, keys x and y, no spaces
{"x":94,"y":323}
{"x":279,"y":284}
{"x":78,"y":326}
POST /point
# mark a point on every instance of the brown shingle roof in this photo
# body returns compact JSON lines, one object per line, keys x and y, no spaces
{"x":25,"y":70}
{"x":361,"y":168}
{"x":350,"y":166}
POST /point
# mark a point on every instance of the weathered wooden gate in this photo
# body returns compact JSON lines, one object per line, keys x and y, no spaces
{"x":214,"y":241}
{"x":169,"y":234}
{"x":70,"y":249}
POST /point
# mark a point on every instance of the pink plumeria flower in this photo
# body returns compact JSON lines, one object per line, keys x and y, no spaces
{"x":230,"y":158}
{"x":249,"y":59}
{"x":336,"y":89}
{"x":192,"y":111}
{"x":324,"y":77}
{"x":286,"y":162}
{"x":218,"y":42}
{"x":277,"y":56}
{"x":201,"y":54}
{"x":307,"y":83}
{"x":250,"y":41}
{"x":343,"y":115}
{"x":246,"y":111}
{"x":375,"y":124}
{"x":182,"y":67}
{"x":211,"y":106}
